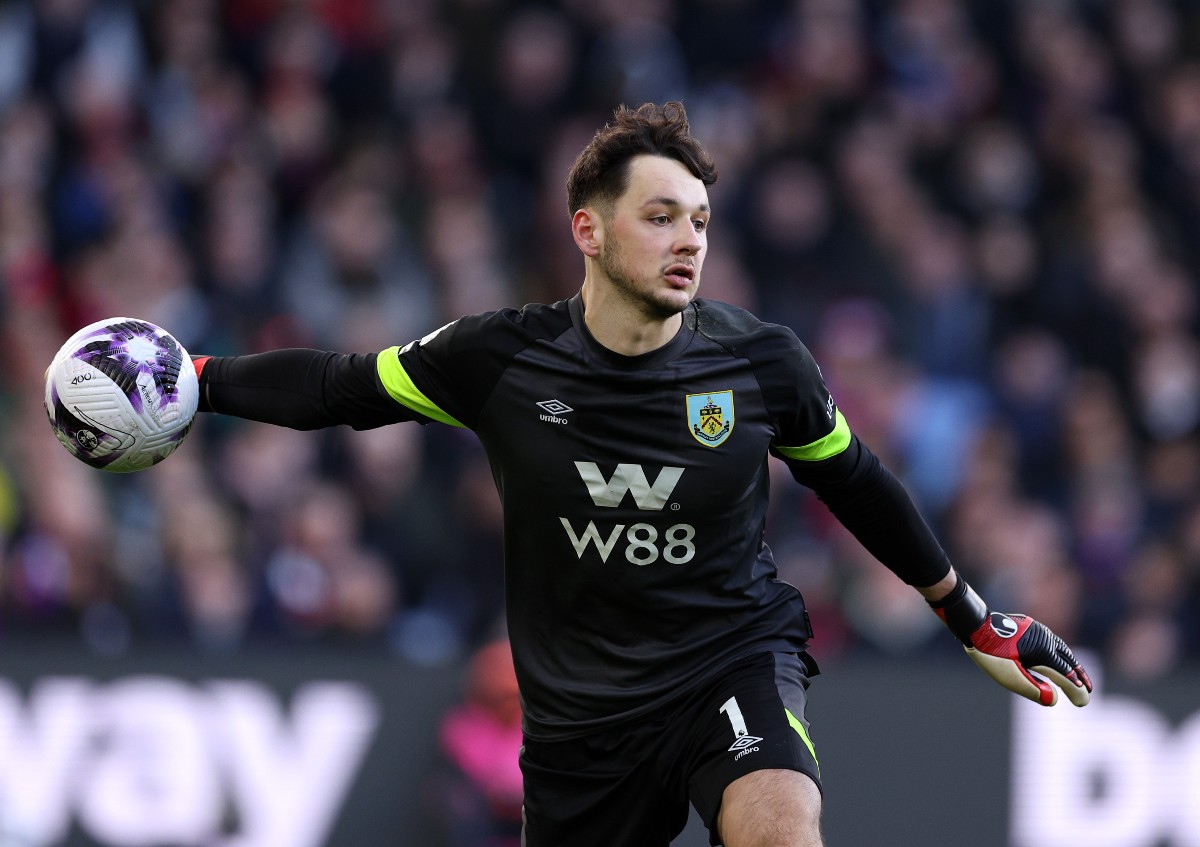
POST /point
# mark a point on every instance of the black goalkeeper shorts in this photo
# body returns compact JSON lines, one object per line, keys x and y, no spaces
{"x":630,"y":786}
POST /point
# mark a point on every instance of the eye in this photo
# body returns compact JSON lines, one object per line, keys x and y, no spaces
{"x":700,"y":224}
{"x":660,"y":219}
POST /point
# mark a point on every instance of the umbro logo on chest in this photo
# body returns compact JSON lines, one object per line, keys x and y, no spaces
{"x":553,"y":411}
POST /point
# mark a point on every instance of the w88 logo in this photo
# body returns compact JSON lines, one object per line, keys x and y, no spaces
{"x":642,"y":542}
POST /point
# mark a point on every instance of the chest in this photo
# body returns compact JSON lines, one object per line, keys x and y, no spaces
{"x":675,"y":438}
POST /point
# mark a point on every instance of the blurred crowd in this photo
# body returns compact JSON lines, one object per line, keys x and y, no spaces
{"x":983,"y":218}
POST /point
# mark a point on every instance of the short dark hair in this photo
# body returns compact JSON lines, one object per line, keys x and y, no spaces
{"x":601,"y":173}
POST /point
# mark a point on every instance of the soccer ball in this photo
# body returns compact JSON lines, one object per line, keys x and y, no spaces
{"x":121,"y":394}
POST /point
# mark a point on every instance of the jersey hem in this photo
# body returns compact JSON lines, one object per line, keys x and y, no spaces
{"x":570,"y":729}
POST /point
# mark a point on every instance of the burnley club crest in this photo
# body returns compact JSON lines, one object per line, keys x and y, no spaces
{"x":710,"y":416}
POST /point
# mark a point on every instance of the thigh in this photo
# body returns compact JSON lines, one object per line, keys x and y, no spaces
{"x":770,"y":807}
{"x":753,"y":720}
{"x":602,"y":790}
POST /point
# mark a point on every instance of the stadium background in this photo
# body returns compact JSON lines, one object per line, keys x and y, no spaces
{"x":984,"y":219}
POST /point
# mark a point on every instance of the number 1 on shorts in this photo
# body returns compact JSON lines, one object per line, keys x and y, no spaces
{"x":734,"y":712}
{"x":743,"y":741}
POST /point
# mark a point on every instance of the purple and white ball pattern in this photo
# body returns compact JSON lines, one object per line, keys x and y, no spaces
{"x":121,"y":394}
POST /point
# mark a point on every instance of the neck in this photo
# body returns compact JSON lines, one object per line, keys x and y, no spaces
{"x":622,"y":326}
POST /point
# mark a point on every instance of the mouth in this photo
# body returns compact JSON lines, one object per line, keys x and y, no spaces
{"x":680,"y":275}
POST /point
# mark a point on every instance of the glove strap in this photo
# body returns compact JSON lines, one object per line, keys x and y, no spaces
{"x":962,"y":610}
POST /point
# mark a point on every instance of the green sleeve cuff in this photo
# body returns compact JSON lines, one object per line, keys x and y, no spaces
{"x":401,"y":388}
{"x":823,"y":448}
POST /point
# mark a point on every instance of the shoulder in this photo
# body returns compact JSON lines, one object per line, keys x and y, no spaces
{"x":455,"y":368}
{"x":503,"y":331}
{"x":745,"y":335}
{"x":787,"y":374}
{"x":509,"y":328}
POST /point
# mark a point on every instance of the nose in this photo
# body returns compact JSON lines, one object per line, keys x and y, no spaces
{"x":690,"y":242}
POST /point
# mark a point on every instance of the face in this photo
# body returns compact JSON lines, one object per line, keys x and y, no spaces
{"x":653,"y":244}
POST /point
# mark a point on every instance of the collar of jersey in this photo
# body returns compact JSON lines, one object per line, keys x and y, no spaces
{"x":662,"y":355}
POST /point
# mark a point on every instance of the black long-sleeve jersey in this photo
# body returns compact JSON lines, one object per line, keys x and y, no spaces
{"x":634,"y":488}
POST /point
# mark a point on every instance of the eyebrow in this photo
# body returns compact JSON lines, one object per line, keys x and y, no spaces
{"x":671,"y":202}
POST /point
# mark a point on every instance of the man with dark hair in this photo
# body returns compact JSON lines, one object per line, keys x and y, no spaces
{"x":600,"y":174}
{"x":659,"y":657}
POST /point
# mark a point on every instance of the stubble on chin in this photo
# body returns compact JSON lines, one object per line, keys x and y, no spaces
{"x":671,"y":303}
{"x":655,"y":303}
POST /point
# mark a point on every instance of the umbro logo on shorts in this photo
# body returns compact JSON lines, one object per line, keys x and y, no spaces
{"x":743,"y":742}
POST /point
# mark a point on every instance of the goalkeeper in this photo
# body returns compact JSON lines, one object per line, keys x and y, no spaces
{"x":659,"y":657}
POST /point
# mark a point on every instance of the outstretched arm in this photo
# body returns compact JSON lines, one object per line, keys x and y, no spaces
{"x":869,"y":501}
{"x":298,"y":388}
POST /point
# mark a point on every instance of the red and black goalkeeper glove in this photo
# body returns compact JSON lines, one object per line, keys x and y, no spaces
{"x":1008,"y":647}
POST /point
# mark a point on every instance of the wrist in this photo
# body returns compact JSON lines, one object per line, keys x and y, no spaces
{"x":962,"y":610}
{"x":198,"y":363}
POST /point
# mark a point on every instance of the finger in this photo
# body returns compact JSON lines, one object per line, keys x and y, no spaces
{"x":1047,"y":694}
{"x":1083,"y":677}
{"x":1051,"y":657}
{"x":1056,"y":656}
{"x":1071,"y":684}
{"x":1067,"y":673}
{"x":1015,"y":678}
{"x":1065,"y":652}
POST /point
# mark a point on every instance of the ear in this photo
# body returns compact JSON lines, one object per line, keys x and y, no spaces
{"x":587,"y":227}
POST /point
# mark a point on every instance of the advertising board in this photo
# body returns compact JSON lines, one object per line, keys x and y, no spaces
{"x":306,"y":747}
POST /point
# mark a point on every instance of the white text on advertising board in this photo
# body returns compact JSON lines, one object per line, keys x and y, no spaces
{"x":155,"y":760}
